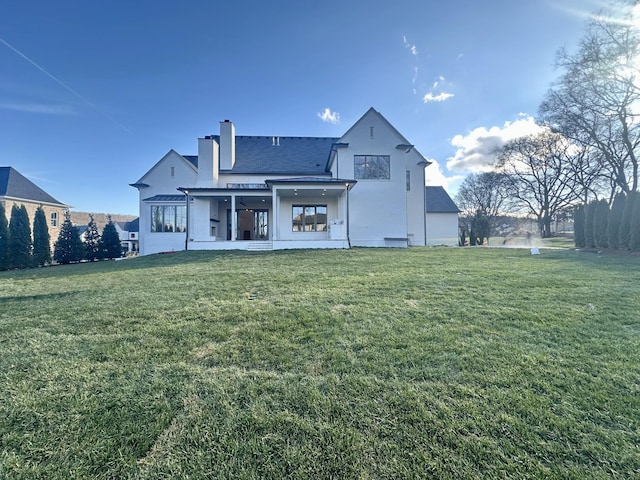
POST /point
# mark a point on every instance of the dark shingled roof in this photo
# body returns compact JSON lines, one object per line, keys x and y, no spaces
{"x":280,"y":155}
{"x":193,"y":159}
{"x":438,"y":201}
{"x":132,"y":226}
{"x":13,"y":184}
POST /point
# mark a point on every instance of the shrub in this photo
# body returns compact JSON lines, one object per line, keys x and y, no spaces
{"x":578,"y":226}
{"x":615,"y":219}
{"x":600,"y":221}
{"x":41,"y":239}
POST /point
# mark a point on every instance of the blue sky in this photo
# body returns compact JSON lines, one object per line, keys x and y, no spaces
{"x":92,"y":94}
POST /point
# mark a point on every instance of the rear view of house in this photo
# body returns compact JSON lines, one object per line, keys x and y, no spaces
{"x":365,"y":188}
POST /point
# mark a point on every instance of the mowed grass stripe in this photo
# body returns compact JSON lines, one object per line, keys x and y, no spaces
{"x":367,"y":363}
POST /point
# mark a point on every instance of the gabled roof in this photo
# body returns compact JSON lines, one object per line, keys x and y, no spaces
{"x":282,"y":155}
{"x":190,"y":160}
{"x":404,"y":142}
{"x":193,"y":159}
{"x":437,"y":200}
{"x":14,"y":185}
{"x":132,"y":226}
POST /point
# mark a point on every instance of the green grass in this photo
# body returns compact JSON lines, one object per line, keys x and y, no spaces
{"x":367,"y":363}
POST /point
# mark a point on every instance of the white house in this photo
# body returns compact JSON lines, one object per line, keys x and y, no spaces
{"x":365,"y":188}
{"x":128,"y":233}
{"x":442,"y":217}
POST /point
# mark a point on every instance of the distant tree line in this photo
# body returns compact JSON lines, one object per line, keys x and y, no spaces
{"x":20,"y":249}
{"x":585,"y":158}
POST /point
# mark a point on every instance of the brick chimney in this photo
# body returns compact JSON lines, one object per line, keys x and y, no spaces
{"x":227,"y":145}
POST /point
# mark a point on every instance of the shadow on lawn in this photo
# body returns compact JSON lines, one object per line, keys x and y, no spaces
{"x":44,"y":296}
{"x":125,"y":264}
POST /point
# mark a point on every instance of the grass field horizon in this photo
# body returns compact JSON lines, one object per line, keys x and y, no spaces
{"x":362,"y":363}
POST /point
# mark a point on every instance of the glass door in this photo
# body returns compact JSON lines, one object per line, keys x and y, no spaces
{"x":261,"y":224}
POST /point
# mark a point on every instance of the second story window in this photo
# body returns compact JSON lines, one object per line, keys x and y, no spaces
{"x":54,"y":219}
{"x":372,"y":167}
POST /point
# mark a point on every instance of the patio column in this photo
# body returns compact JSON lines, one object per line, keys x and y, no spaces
{"x":274,"y":214}
{"x":234,"y":225}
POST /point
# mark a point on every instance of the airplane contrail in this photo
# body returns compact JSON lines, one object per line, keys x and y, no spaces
{"x":61,"y":83}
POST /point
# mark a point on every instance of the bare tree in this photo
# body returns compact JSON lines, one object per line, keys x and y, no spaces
{"x":484,"y":195}
{"x":538,"y":169}
{"x":596,"y":101}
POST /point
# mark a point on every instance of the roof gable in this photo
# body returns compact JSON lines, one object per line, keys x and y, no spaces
{"x":437,"y":200}
{"x":365,"y":120}
{"x":15,"y":185}
{"x":190,"y":160}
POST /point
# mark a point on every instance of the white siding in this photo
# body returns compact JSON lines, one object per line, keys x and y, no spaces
{"x":442,"y":229}
{"x":161,"y":182}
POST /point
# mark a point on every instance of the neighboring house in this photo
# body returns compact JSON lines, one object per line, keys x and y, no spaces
{"x":15,"y":189}
{"x":128,"y":232}
{"x":365,"y":188}
{"x":442,"y":217}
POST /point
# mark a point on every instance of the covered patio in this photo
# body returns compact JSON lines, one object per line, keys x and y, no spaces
{"x":277,"y":214}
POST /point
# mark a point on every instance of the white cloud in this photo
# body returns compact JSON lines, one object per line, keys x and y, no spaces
{"x":412,"y":48}
{"x":328,"y":116}
{"x":436,"y":177}
{"x":441,"y":97}
{"x":476,"y":150}
{"x":40,"y":108}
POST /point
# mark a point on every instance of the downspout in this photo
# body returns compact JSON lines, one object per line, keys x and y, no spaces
{"x":186,"y":237}
{"x":348,"y":237}
{"x":424,"y":165}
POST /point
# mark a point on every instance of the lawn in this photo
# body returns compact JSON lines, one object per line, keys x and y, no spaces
{"x":366,"y":364}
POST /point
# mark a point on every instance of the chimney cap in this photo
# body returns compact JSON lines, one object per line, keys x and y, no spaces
{"x":226,"y":121}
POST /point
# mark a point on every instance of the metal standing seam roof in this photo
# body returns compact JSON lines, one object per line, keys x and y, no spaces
{"x":437,"y":200}
{"x":165,"y":198}
{"x":15,"y":185}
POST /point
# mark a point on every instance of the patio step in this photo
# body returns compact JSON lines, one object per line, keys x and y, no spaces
{"x":260,"y":246}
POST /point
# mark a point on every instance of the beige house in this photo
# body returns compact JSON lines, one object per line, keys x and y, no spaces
{"x":15,"y":189}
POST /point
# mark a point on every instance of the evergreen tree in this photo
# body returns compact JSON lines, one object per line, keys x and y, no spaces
{"x":600,"y":222}
{"x":589,"y":214}
{"x":92,"y":240}
{"x":68,"y":248}
{"x":634,"y":227}
{"x":110,"y":242}
{"x":624,"y":234}
{"x":41,"y":239}
{"x":4,"y":239}
{"x":481,"y":227}
{"x":615,"y":219}
{"x":19,"y":238}
{"x":578,"y":226}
